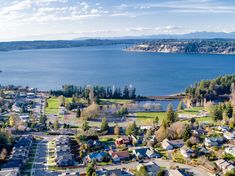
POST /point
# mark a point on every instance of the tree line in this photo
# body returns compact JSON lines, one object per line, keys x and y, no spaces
{"x":210,"y":90}
{"x":128,"y":92}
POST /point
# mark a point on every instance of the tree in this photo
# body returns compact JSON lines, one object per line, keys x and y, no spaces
{"x":180,"y":106}
{"x":117,"y":130}
{"x":126,"y":92}
{"x":170,"y":114}
{"x":156,"y":120}
{"x":3,"y":154}
{"x":12,"y":120}
{"x":56,"y":124}
{"x":217,"y":113}
{"x":43,"y":119}
{"x":142,"y":171}
{"x":90,"y":169}
{"x":85,"y":126}
{"x":230,"y":173}
{"x":187,"y":133}
{"x":104,"y":125}
{"x":229,"y":110}
{"x":161,"y":173}
{"x":132,"y":129}
{"x":78,"y":113}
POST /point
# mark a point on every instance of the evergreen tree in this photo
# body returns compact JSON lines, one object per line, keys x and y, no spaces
{"x":78,"y":113}
{"x":104,"y":125}
{"x":170,"y":114}
{"x":85,"y":126}
{"x":156,"y":120}
{"x":187,"y":133}
{"x":217,"y":113}
{"x":126,"y":92}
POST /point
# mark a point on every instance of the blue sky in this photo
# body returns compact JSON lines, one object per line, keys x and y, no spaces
{"x":68,"y":19}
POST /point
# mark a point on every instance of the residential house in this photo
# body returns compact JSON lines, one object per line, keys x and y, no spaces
{"x":119,"y":155}
{"x":172,"y":144}
{"x":123,"y":140}
{"x":65,"y":160}
{"x":229,"y":136}
{"x":213,"y":141}
{"x":97,"y":156}
{"x":115,"y":172}
{"x":151,"y":167}
{"x":145,"y":152}
{"x":69,"y":174}
{"x":173,"y":172}
{"x":186,"y":152}
{"x":230,"y":150}
{"x":224,"y":166}
{"x":10,"y":172}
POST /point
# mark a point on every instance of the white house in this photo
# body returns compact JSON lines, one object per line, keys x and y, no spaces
{"x":230,"y":150}
{"x":224,"y":166}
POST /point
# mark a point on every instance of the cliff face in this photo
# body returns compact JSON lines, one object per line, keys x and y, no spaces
{"x":191,"y":46}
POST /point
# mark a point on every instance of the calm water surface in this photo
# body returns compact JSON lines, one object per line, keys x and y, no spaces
{"x":150,"y":73}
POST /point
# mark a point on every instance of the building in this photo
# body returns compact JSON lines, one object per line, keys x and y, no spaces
{"x":230,"y":150}
{"x":114,"y":172}
{"x":123,"y":140}
{"x":213,"y":141}
{"x":224,"y":166}
{"x":119,"y":155}
{"x":145,"y":152}
{"x":186,"y":152}
{"x":173,"y":172}
{"x":152,"y":168}
{"x":172,"y":144}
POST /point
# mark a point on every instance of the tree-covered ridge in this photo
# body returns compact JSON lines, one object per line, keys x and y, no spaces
{"x":209,"y":46}
{"x":210,"y":89}
{"x":25,"y":45}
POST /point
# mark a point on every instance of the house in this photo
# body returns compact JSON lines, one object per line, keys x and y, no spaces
{"x":229,"y":136}
{"x":69,"y":174}
{"x":224,"y":166}
{"x":145,"y":152}
{"x":173,"y":172}
{"x":230,"y":150}
{"x":186,"y":152}
{"x":223,"y":128}
{"x":119,"y":155}
{"x":123,"y":140}
{"x":152,"y":168}
{"x":213,"y":141}
{"x":65,"y":160}
{"x":172,"y":144}
{"x":10,"y":172}
{"x":94,"y":144}
{"x":97,"y":156}
{"x":115,"y":172}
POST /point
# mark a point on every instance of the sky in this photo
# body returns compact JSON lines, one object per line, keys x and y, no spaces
{"x":70,"y":19}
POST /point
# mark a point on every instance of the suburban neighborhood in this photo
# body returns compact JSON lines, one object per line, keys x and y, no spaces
{"x":43,"y":133}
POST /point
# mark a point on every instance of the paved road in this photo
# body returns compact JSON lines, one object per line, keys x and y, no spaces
{"x":197,"y":171}
{"x":40,"y":161}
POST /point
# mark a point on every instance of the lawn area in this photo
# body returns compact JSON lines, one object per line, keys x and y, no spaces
{"x":204,"y":119}
{"x":53,"y":106}
{"x":146,"y":118}
{"x":120,"y":101}
{"x":192,"y":111}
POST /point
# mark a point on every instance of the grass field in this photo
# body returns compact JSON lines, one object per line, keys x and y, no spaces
{"x":120,"y":101}
{"x":147,"y":118}
{"x":53,"y":106}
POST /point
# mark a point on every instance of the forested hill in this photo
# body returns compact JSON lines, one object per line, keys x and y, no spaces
{"x":206,"y":46}
{"x":23,"y":45}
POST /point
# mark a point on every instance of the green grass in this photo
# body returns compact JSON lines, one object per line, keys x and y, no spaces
{"x":204,"y":119}
{"x":53,"y":106}
{"x":147,"y":118}
{"x":192,"y":111}
{"x":119,"y":101}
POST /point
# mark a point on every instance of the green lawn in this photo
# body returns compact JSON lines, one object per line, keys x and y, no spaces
{"x":204,"y":119}
{"x":120,"y":101}
{"x":146,"y":118}
{"x":53,"y":106}
{"x":192,"y":111}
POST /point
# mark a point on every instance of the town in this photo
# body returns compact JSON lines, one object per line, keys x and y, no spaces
{"x":111,"y":131}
